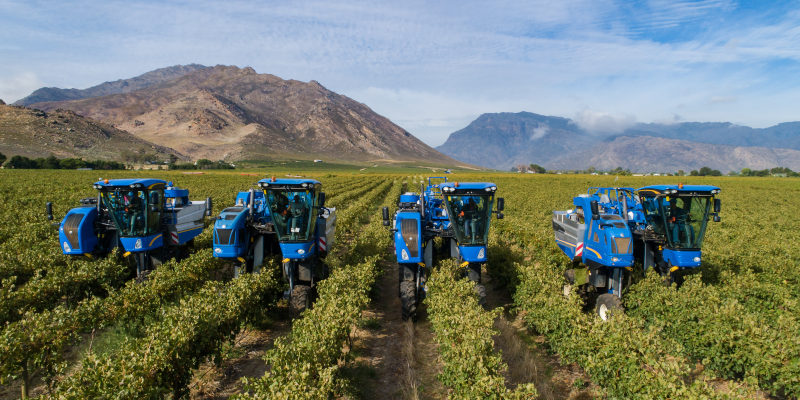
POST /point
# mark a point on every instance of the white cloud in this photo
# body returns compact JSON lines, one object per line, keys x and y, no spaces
{"x":17,"y":86}
{"x":603,"y":123}
{"x":540,"y":131}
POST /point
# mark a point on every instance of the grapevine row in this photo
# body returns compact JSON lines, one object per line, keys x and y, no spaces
{"x":160,"y":362}
{"x":464,"y":331}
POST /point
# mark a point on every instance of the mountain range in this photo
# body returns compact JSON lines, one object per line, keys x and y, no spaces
{"x":231,"y":113}
{"x":503,"y":140}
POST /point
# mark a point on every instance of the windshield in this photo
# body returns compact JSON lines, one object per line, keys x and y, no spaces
{"x":469,"y":216}
{"x":682,"y":219}
{"x":292,"y":213}
{"x":136,"y":213}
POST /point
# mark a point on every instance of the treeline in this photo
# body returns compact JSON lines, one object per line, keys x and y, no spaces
{"x":52,"y":162}
{"x":703,"y":171}
{"x":202,"y":164}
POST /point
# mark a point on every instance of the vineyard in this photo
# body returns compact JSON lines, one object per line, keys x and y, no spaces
{"x":77,"y":327}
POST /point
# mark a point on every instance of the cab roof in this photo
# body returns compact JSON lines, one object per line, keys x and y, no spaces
{"x":143,"y":183}
{"x":288,"y":182}
{"x":468,"y":185}
{"x":679,"y":188}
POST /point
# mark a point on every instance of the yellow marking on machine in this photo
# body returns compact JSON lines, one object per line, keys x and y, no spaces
{"x":154,"y":239}
{"x":285,"y":260}
{"x":566,"y":243}
{"x":127,"y":253}
{"x":673,"y":269}
{"x":465,"y":264}
{"x":240,"y":259}
{"x":593,"y":251}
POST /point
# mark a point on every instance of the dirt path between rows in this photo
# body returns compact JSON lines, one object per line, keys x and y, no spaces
{"x":394,"y":359}
{"x":526,"y":356}
{"x":243,"y":359}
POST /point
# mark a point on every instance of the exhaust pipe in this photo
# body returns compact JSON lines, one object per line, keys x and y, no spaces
{"x":208,"y":206}
{"x":251,"y":202}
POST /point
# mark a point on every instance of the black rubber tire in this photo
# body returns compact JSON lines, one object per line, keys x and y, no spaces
{"x":606,"y":303}
{"x":300,"y":298}
{"x":408,"y":299}
{"x":481,"y":291}
{"x":474,"y":272}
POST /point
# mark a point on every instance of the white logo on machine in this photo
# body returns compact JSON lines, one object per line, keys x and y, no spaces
{"x":138,"y":244}
{"x":480,"y":254}
{"x":66,"y":247}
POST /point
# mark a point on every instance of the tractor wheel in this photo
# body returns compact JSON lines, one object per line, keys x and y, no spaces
{"x":408,"y":299}
{"x":300,"y":299}
{"x":607,"y":302}
{"x":481,"y":291}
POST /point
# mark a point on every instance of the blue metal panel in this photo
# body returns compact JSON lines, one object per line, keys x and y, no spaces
{"x":403,"y":253}
{"x":473,"y":253}
{"x":189,"y":234}
{"x":176,"y":193}
{"x":86,"y":235}
{"x":138,"y":244}
{"x":682,"y":258}
{"x":409,"y":198}
{"x":298,"y":251}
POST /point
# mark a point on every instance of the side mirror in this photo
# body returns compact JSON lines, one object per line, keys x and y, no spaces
{"x":595,"y":210}
{"x":49,"y":208}
{"x":717,"y":205}
{"x":385,"y":213}
{"x":501,"y":203}
{"x":209,"y":207}
{"x":500,"y":215}
{"x":322,"y":199}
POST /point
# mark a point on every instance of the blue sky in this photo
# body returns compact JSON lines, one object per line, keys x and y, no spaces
{"x":432,"y":67}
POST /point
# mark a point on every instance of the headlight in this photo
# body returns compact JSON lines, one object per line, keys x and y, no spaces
{"x":488,"y":189}
{"x":301,"y":251}
{"x":305,"y":185}
{"x":217,"y":250}
{"x":404,"y":254}
{"x":614,"y":259}
{"x":696,"y":259}
{"x":494,"y":188}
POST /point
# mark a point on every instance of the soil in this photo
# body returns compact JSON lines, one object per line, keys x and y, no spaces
{"x":526,"y":356}
{"x":393,"y":359}
{"x":244,"y":359}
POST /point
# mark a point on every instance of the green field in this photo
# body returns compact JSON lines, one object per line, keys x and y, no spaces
{"x":81,"y":328}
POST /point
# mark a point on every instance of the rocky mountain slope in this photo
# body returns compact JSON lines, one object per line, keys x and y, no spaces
{"x":35,"y":133}
{"x":104,"y":89}
{"x":235,"y":113}
{"x":503,"y":140}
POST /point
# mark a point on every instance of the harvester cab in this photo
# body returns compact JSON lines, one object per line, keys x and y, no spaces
{"x":459,"y":214}
{"x":676,"y":218}
{"x":305,"y":230}
{"x":612,"y":229}
{"x":148,"y":219}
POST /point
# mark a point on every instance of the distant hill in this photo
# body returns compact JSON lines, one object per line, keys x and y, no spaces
{"x":35,"y":133}
{"x":104,"y":89}
{"x":503,"y":140}
{"x":235,"y":113}
{"x":654,"y":154}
